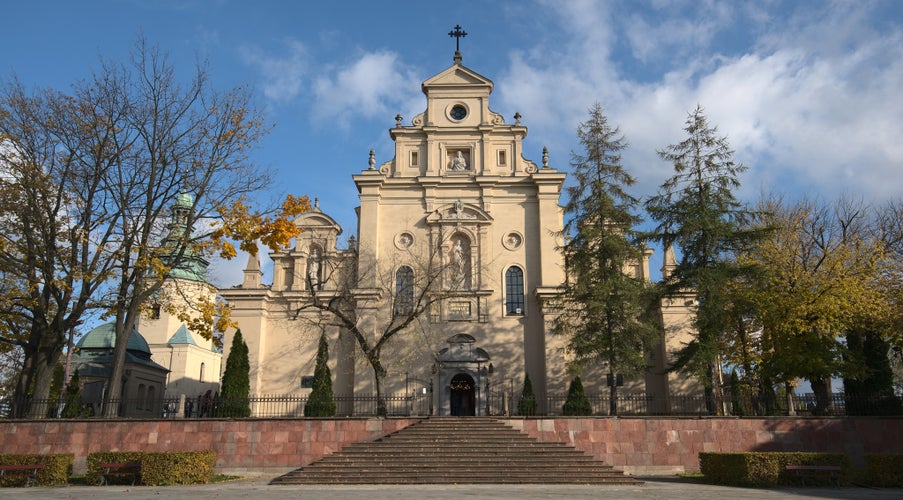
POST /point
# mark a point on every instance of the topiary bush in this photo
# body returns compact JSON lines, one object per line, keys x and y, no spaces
{"x":527,"y":405}
{"x":576,"y":403}
{"x":157,"y":468}
{"x":320,"y":403}
{"x":764,"y":468}
{"x":884,"y":469}
{"x":171,"y":468}
{"x":56,"y":469}
{"x":94,"y":474}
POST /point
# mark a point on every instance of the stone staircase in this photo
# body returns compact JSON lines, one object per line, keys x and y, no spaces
{"x":457,"y":450}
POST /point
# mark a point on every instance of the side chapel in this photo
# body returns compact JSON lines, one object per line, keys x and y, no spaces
{"x":458,"y":194}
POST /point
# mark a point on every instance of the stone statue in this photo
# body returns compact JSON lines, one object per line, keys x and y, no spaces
{"x":458,"y":264}
{"x":313,"y":268}
{"x":459,"y":164}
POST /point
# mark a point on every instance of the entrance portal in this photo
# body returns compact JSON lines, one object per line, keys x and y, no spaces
{"x":463,"y":396}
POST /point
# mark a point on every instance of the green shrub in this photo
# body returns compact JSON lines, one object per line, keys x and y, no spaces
{"x":157,"y":469}
{"x":169,"y":468}
{"x":56,"y":469}
{"x":320,"y":403}
{"x":764,"y":468}
{"x":94,"y":474}
{"x":576,"y":403}
{"x":884,"y":469}
{"x":527,"y":405}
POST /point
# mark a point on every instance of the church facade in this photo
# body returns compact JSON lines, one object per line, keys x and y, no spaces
{"x":460,"y":217}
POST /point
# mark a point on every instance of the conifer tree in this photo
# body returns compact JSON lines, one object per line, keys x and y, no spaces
{"x":576,"y":403}
{"x":527,"y":405}
{"x":73,"y":408}
{"x":236,"y":381}
{"x":698,"y":215}
{"x":320,"y":402}
{"x":604,"y":309}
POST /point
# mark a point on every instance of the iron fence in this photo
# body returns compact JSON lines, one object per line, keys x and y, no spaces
{"x":499,"y":403}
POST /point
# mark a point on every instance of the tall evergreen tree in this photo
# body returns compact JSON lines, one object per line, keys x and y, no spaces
{"x":320,"y":402}
{"x":236,"y":381}
{"x":604,"y":304}
{"x":698,"y":215}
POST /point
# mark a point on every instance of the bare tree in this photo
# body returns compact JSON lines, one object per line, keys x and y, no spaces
{"x":102,"y":170}
{"x":406,"y":293}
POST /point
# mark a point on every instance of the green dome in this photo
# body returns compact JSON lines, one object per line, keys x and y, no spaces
{"x":104,"y":337}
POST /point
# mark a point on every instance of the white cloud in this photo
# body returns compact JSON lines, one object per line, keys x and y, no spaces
{"x":374,"y":85}
{"x":282,"y":74}
{"x":811,"y":105}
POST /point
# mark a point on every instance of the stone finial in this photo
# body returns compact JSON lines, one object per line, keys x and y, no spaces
{"x":316,"y":204}
{"x":517,"y":118}
{"x":545,"y":157}
{"x":398,"y":119}
{"x":372,"y":160}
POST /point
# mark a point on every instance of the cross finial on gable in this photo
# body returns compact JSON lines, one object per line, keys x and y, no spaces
{"x":458,"y":34}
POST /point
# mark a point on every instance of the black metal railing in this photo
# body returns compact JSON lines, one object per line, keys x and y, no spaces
{"x":498,"y":403}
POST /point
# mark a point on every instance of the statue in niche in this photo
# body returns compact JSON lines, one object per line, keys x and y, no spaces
{"x":459,"y":267}
{"x":313,"y":267}
{"x":459,"y":163}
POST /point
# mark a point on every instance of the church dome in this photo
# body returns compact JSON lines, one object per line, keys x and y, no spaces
{"x":104,"y":337}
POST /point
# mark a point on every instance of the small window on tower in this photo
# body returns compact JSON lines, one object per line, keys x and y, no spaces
{"x":155,"y":311}
{"x":503,"y":158}
{"x":415,"y":158}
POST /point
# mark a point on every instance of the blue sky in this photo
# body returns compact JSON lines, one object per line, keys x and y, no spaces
{"x":808,"y":92}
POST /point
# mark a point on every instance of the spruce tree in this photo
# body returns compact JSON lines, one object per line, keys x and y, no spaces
{"x":320,"y":402}
{"x":697,"y":214}
{"x":576,"y":403}
{"x":605,"y":306}
{"x":233,"y":401}
{"x":527,"y":405}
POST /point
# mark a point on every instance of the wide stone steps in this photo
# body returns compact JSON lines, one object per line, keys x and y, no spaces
{"x":457,"y":450}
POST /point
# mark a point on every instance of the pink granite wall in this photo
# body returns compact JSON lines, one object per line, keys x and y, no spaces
{"x":638,"y":445}
{"x":266,"y":446}
{"x":672,"y":445}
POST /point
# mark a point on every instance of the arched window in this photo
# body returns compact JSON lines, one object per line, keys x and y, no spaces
{"x":140,"y":400}
{"x":202,"y":372}
{"x":514,"y":291}
{"x":404,"y":290}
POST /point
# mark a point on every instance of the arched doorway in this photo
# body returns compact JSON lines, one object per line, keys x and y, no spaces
{"x":463,"y":396}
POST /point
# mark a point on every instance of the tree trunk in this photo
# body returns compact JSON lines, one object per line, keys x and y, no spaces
{"x":821,"y":386}
{"x":613,"y":396}
{"x":379,"y":374}
{"x":44,"y":362}
{"x":20,"y":396}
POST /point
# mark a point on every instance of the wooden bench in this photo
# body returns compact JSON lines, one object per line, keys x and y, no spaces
{"x":30,"y":471}
{"x":832,"y":472}
{"x":122,"y":469}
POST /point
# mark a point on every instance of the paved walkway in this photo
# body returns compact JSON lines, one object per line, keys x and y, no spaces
{"x":258,"y":489}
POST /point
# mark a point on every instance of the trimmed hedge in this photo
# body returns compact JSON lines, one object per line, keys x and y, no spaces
{"x":764,"y":468}
{"x":157,"y":469}
{"x":56,"y":469}
{"x":884,"y":469}
{"x":183,"y":467}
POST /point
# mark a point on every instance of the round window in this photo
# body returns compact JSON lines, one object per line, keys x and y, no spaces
{"x":458,"y":112}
